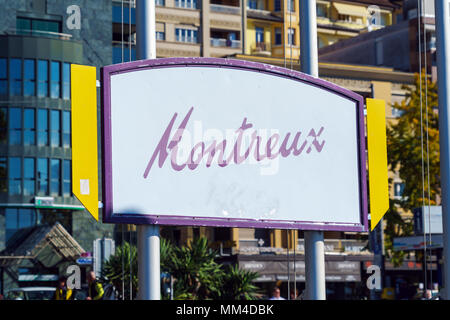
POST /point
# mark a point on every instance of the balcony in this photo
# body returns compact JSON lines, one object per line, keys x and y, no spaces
{"x":261,"y":49}
{"x":215,"y":42}
{"x":38,"y":34}
{"x":225,"y":9}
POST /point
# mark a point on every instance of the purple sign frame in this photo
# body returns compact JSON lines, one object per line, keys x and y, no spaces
{"x":108,"y":210}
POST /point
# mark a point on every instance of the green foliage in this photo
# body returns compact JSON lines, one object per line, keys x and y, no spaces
{"x":112,"y":270}
{"x":409,"y":156}
{"x":237,"y":284}
{"x":197,"y":275}
{"x":404,"y":142}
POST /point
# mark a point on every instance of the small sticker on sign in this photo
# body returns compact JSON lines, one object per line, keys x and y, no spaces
{"x":84,"y":186}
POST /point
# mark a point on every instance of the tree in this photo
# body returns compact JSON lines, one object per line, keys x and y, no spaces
{"x":408,"y":153}
{"x":113,"y":273}
{"x":237,"y":284}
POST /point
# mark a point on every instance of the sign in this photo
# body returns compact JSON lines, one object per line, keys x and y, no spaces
{"x":44,"y":201}
{"x":378,"y":164}
{"x":270,"y":270}
{"x":218,"y":142}
{"x":84,"y":261}
{"x":84,"y":137}
{"x":428,"y":220}
{"x":418,"y":242}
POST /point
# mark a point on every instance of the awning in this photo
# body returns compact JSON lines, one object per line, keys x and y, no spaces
{"x":28,"y":243}
{"x":350,"y":9}
{"x":269,"y":271}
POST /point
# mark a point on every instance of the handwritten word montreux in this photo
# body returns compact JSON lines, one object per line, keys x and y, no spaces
{"x":200,"y":150}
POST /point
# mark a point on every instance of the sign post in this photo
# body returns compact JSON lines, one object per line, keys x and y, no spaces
{"x":442,"y":12}
{"x":314,"y":246}
{"x":147,"y":235}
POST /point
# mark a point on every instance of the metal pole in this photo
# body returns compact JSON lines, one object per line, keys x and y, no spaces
{"x":145,"y":30}
{"x":443,"y":65}
{"x":148,"y":235}
{"x":314,"y":247}
{"x":149,"y":262}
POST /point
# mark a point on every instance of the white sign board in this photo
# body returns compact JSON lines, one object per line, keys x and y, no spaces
{"x":230,"y":144}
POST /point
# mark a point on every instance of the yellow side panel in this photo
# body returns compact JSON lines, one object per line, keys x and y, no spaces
{"x":377,"y":154}
{"x":84,"y":137}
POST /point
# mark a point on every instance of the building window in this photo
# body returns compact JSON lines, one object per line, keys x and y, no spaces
{"x":189,"y":4}
{"x":322,"y":10}
{"x":42,"y":78}
{"x":186,"y":35}
{"x":15,"y":77}
{"x":27,"y":26}
{"x":66,"y":81}
{"x":3,"y":125}
{"x":399,"y":189}
{"x":55,"y":176}
{"x":55,"y":128}
{"x":42,"y":126}
{"x":15,"y":126}
{"x":29,"y":78}
{"x":55,"y":78}
{"x":15,"y":176}
{"x":3,"y":77}
{"x":67,"y":181}
{"x":29,"y":127}
{"x":291,"y":36}
{"x":160,"y":3}
{"x":42,"y":176}
{"x":278,"y":37}
{"x":290,"y":5}
{"x":16,"y":219}
{"x":3,"y":175}
{"x":259,"y":35}
{"x":29,"y":177}
{"x":160,"y":35}
{"x":277,"y":6}
{"x":66,"y":129}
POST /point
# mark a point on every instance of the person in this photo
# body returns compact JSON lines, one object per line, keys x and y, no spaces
{"x":96,"y":291}
{"x":276,"y":295}
{"x":294,"y":295}
{"x":62,"y":292}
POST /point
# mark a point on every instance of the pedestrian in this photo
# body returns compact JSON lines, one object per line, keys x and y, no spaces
{"x":276,"y":295}
{"x":95,"y":291}
{"x":62,"y":292}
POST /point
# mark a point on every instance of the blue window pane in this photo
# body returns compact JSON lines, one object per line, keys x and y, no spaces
{"x":3,"y":175}
{"x":15,"y":176}
{"x":25,"y":218}
{"x":55,"y":86}
{"x":3,"y":77}
{"x":55,"y":167}
{"x":29,"y":77}
{"x":28,"y":176}
{"x":42,"y":176}
{"x":29,"y":132}
{"x":42,"y":127}
{"x":67,"y":187}
{"x":3,"y":125}
{"x":55,"y":130}
{"x":66,"y":81}
{"x":15,"y":77}
{"x":42,"y":78}
{"x":15,"y":126}
{"x":66,"y":129}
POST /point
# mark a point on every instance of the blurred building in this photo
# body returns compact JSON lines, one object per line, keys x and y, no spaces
{"x":37,"y":46}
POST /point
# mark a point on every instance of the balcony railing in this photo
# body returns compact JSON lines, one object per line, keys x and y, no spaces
{"x":261,"y":48}
{"x":225,"y":9}
{"x":217,"y":42}
{"x":39,"y":33}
